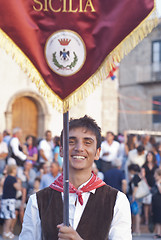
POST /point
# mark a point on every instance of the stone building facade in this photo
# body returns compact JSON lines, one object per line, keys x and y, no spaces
{"x":140,"y":86}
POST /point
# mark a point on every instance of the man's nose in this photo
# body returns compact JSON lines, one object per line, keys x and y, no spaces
{"x":79,"y":146}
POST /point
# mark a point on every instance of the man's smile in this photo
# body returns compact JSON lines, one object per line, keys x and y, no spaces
{"x":78,"y":157}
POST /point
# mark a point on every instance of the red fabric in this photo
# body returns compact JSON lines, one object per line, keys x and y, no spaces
{"x":101,"y":32}
{"x":94,"y":183}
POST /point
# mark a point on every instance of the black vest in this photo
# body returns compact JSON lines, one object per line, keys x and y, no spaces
{"x":95,"y":221}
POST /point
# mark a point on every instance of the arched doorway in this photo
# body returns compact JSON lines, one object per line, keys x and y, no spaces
{"x":29,"y":111}
{"x":25,"y":115}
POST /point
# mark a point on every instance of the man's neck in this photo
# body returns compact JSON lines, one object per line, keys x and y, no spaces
{"x":54,"y":174}
{"x":110,"y":142}
{"x":77,"y":178}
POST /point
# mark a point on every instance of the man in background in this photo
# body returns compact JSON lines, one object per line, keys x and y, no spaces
{"x":115,"y":177}
{"x":15,"y":148}
{"x":109,"y":151}
{"x":46,"y":148}
{"x":50,"y":177}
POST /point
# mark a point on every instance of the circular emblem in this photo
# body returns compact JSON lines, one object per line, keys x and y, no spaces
{"x":65,"y":52}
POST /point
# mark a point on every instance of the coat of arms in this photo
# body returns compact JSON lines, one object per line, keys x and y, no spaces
{"x":65,"y":52}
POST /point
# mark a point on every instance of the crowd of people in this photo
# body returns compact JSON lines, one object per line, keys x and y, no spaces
{"x":25,"y":168}
{"x":125,"y":159}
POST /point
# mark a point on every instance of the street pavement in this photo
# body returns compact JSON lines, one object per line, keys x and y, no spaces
{"x":146,"y":236}
{"x":16,"y":238}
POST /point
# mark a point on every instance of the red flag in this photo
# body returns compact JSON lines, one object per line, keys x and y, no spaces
{"x":68,"y":46}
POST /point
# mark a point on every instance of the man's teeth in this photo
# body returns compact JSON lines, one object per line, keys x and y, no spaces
{"x":79,"y":157}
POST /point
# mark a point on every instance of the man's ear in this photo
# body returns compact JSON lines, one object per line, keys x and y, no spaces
{"x":97,"y":154}
{"x":61,"y":151}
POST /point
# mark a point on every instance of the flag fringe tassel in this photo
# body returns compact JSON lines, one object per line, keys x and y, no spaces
{"x":89,"y":86}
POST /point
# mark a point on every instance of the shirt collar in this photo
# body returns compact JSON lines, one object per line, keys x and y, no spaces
{"x":82,"y":185}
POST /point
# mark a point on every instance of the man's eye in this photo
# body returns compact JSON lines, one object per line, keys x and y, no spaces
{"x":87,"y":142}
{"x":71,"y":142}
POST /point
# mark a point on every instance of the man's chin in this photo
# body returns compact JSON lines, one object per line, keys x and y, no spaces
{"x":76,"y":167}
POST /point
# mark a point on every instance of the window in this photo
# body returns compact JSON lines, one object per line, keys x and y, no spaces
{"x":156,"y":56}
{"x":157,"y":109}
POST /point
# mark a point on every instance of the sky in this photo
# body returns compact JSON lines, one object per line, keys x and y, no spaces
{"x":158,"y":2}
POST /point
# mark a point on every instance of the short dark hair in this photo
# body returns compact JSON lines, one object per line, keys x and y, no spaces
{"x":140,"y":148}
{"x":47,"y":131}
{"x":57,"y":141}
{"x":134,"y":167}
{"x":109,"y":132}
{"x":87,"y":123}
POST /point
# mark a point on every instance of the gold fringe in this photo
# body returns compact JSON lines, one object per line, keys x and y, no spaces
{"x":89,"y":86}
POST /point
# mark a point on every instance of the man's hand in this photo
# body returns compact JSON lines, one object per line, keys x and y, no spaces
{"x":67,"y":233}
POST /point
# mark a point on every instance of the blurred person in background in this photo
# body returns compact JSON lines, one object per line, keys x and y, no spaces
{"x":36,"y":186}
{"x":157,"y":152}
{"x":27,"y":176}
{"x":44,"y":169}
{"x":15,"y":149}
{"x":156,"y":203}
{"x":115,"y":177}
{"x":2,"y":179}
{"x":145,"y":141}
{"x":131,"y":142}
{"x":135,"y":178}
{"x":137,"y":156}
{"x":46,"y":148}
{"x":109,"y":151}
{"x":11,"y":185}
{"x":56,"y":152}
{"x":50,"y":177}
{"x":97,"y":172}
{"x":3,"y":153}
{"x":6,"y":136}
{"x":30,"y":174}
{"x":32,"y":151}
{"x":148,"y":170}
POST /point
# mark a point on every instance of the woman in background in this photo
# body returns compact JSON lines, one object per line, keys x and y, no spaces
{"x":148,"y":170}
{"x":156,"y":203}
{"x":57,"y":157}
{"x":32,"y":151}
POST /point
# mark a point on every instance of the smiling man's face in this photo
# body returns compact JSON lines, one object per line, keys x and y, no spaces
{"x":82,"y":149}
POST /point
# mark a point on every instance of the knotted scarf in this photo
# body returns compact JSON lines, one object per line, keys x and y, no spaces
{"x":94,"y":183}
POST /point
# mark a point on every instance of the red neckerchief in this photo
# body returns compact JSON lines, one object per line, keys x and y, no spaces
{"x":94,"y":183}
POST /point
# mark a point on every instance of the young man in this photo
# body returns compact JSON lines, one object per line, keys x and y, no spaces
{"x":96,"y":211}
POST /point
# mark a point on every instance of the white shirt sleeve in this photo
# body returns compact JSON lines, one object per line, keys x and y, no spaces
{"x":31,"y":227}
{"x":3,"y":148}
{"x":121,"y":223}
{"x":15,"y":148}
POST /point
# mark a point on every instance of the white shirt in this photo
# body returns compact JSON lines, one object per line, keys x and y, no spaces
{"x":3,"y":147}
{"x":120,"y":227}
{"x":135,"y":158}
{"x":47,"y":148}
{"x":112,"y":149}
{"x":14,"y":143}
